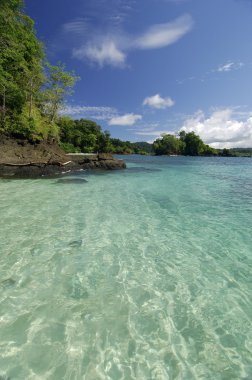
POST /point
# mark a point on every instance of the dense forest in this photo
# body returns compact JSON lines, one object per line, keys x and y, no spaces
{"x":87,"y":136}
{"x":32,"y":93}
{"x":31,"y":89}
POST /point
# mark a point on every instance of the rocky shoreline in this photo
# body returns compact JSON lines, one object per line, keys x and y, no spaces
{"x":23,"y":159}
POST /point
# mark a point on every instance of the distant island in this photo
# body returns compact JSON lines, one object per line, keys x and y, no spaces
{"x":190,"y":144}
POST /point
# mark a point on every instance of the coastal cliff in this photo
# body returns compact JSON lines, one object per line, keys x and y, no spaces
{"x":23,"y":159}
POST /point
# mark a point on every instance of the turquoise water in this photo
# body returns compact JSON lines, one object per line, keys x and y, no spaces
{"x":139,"y":274}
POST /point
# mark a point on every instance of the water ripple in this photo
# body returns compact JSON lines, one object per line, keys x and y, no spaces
{"x":130,"y":276}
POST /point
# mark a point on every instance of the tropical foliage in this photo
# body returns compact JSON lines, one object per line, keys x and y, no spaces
{"x":188,"y":144}
{"x":87,"y":136}
{"x":31,"y":90}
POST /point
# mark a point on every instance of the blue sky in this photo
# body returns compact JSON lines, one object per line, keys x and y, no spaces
{"x":149,"y":67}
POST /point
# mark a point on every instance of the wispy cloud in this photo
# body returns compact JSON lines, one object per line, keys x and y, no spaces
{"x":112,"y":47}
{"x":162,"y":35}
{"x":125,"y":120}
{"x":229,"y":66}
{"x":152,"y":135}
{"x":107,"y":12}
{"x":156,"y":101}
{"x":108,"y":114}
{"x":221,"y":129}
{"x":152,"y":130}
{"x":209,"y":75}
{"x":76,"y":26}
{"x":103,"y":53}
{"x":97,"y":113}
{"x":155,"y":133}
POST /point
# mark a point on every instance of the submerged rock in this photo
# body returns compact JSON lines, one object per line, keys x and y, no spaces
{"x":75,"y":243}
{"x":142,"y":169}
{"x":6,"y":284}
{"x":72,"y":180}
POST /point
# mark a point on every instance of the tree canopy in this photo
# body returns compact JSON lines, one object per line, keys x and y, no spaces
{"x":169,"y":145}
{"x":31,"y":92}
{"x":87,"y":136}
{"x":188,"y":144}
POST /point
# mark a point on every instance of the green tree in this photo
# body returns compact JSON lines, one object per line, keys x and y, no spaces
{"x":58,"y":86}
{"x":66,"y":129}
{"x":83,"y":134}
{"x":167,"y":145}
{"x":21,"y":55}
{"x":104,"y":142}
{"x":209,"y":151}
{"x":26,"y":110}
{"x":194,"y":146}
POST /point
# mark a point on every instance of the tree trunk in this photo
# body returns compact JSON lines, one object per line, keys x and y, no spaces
{"x":4,"y":104}
{"x":31,"y":99}
{"x":54,"y":112}
{"x":30,"y":106}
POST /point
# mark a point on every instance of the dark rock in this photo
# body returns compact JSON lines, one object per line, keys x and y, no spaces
{"x":105,"y":156}
{"x":112,"y":164}
{"x":72,"y":180}
{"x":75,"y":243}
{"x":23,"y":159}
{"x":50,"y":169}
{"x":6,"y":284}
{"x":87,"y":160}
{"x":81,"y":158}
{"x":140,"y":169}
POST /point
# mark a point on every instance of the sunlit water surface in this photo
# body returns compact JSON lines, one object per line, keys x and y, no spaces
{"x":140,"y":274}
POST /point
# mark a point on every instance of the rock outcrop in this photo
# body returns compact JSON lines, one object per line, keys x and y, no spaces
{"x":20,"y":158}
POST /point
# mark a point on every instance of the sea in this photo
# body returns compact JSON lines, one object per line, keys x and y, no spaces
{"x":138,"y":274}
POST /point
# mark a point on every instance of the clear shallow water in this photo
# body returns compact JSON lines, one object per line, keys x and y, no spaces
{"x":138,"y":274}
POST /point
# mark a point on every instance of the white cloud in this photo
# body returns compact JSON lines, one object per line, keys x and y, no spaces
{"x":112,"y":48}
{"x":156,"y":101}
{"x":104,"y":53}
{"x":221,"y":129}
{"x":162,"y":35}
{"x":226,"y":67}
{"x":125,"y":120}
{"x":108,"y":114}
{"x":230,"y":66}
{"x":152,"y":133}
{"x":89,"y":112}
